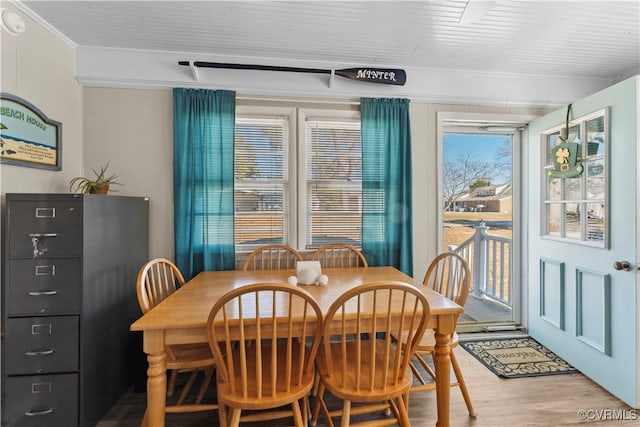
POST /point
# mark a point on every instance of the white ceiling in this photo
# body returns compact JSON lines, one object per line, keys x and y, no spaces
{"x":504,"y":52}
{"x":570,"y":38}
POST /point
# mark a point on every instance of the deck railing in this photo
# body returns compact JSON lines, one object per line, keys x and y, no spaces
{"x":489,"y":259}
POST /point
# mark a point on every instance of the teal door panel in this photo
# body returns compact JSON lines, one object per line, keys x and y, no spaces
{"x":579,"y":305}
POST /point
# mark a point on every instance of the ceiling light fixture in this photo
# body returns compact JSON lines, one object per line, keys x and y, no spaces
{"x":12,"y":23}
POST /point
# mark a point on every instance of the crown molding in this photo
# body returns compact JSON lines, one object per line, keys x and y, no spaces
{"x":44,"y":24}
{"x":140,"y":69}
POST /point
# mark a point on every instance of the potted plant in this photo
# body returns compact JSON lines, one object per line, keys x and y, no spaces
{"x":98,"y":185}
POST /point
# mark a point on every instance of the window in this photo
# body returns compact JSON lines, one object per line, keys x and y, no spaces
{"x":333,"y":182}
{"x":297,"y":182}
{"x":261,"y":180}
{"x":576,"y":205}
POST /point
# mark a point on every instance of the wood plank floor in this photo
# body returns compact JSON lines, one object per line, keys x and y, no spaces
{"x":555,"y":400}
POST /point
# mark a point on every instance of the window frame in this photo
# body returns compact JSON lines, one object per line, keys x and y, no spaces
{"x":295,"y":215}
{"x":583,"y":200}
{"x":289,"y":181}
{"x":305,"y":114}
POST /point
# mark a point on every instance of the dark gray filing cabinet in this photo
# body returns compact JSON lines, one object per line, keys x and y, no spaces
{"x":69,"y":297}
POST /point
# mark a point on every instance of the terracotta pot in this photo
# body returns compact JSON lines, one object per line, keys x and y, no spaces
{"x":100,"y":189}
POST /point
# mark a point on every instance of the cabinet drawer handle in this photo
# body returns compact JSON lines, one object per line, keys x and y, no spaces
{"x":45,"y":270}
{"x":38,"y":413}
{"x":43,"y":235}
{"x":45,"y":212}
{"x":40,"y":293}
{"x":39,"y":353}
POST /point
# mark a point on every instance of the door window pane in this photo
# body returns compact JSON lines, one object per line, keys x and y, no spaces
{"x":595,"y":136}
{"x":576,"y":203}
{"x":551,"y":140}
{"x":595,"y":221}
{"x":555,"y":189}
{"x":573,"y":220}
{"x":554,"y":219}
{"x":572,"y":188}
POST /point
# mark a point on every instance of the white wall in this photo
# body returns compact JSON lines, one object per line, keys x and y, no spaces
{"x":39,"y":68}
{"x":132,"y":130}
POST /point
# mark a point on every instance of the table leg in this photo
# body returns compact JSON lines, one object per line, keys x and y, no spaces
{"x":443,"y":370}
{"x":156,"y":378}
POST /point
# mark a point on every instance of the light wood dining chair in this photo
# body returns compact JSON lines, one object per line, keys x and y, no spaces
{"x":157,"y":280}
{"x":272,"y":257}
{"x":448,"y":274}
{"x":339,"y":255}
{"x":359,"y":362}
{"x":265,"y":338}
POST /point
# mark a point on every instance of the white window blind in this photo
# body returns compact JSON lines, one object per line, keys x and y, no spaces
{"x":261,"y":181}
{"x":334,"y":182}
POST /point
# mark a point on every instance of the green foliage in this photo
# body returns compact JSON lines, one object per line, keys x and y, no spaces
{"x":479,"y":184}
{"x":84,"y":185}
{"x":248,"y":168}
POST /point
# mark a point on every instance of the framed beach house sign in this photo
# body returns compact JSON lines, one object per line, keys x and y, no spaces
{"x":27,"y":136}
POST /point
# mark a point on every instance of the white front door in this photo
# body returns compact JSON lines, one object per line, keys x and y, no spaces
{"x":582,"y":230}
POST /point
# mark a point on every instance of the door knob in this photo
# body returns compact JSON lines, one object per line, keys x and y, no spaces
{"x":622,"y":265}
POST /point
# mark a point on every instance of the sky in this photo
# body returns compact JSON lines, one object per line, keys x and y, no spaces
{"x":484,"y":147}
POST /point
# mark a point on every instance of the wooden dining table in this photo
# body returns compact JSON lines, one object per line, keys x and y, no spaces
{"x":182,"y":319}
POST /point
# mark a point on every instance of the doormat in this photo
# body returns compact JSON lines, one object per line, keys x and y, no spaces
{"x":517,"y":357}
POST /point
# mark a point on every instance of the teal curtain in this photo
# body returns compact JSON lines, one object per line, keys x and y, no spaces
{"x":387,"y":229}
{"x":203,"y":139}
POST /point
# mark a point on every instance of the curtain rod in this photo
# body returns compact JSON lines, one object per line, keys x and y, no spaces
{"x":297,"y":100}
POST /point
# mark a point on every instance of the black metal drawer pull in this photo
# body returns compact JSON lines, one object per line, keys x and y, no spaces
{"x":41,"y":329}
{"x":41,"y":388}
{"x":41,"y":293}
{"x":39,"y":352}
{"x":38,"y":413}
{"x":45,"y":212}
